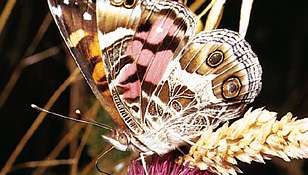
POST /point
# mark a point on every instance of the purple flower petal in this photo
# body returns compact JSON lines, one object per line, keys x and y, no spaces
{"x":164,"y":165}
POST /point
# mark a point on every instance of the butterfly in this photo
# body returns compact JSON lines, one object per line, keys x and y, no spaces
{"x":161,"y":81}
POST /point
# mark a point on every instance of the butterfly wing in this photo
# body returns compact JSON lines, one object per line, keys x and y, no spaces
{"x":138,"y":41}
{"x":76,"y":21}
{"x":212,"y":80}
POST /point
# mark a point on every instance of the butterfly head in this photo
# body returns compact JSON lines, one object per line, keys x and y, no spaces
{"x":119,"y":138}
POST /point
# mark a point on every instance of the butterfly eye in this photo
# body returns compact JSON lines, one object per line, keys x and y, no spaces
{"x":231,"y":88}
{"x":215,"y":59}
{"x":116,"y":2}
{"x":129,"y":3}
{"x":123,"y":139}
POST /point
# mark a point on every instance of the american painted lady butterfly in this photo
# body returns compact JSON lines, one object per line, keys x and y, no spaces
{"x":162,"y":82}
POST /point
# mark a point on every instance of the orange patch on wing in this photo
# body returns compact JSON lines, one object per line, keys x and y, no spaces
{"x":98,"y":72}
{"x":94,"y":49}
{"x":77,"y":36}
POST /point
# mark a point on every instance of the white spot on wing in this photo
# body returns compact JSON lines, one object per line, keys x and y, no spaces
{"x":106,"y":40}
{"x":159,"y":29}
{"x":201,"y":85}
{"x":119,"y":167}
{"x":56,"y":10}
{"x":76,"y":37}
{"x":67,"y":2}
{"x":87,"y":16}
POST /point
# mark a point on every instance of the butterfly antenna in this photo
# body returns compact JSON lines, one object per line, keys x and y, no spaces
{"x":101,"y":156}
{"x":80,"y":115}
{"x":94,"y":123}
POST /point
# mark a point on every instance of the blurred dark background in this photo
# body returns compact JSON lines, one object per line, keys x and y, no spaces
{"x":278,"y":33}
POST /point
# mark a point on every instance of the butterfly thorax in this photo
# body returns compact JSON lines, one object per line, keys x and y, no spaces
{"x":161,"y":141}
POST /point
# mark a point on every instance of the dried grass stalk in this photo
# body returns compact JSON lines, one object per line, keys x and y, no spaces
{"x":245,"y":15}
{"x":215,"y":15}
{"x":255,"y":137}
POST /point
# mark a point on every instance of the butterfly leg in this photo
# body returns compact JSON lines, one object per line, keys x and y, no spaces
{"x":143,"y":163}
{"x":180,"y":150}
{"x":143,"y":155}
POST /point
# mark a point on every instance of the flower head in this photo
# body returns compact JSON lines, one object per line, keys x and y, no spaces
{"x":164,"y":165}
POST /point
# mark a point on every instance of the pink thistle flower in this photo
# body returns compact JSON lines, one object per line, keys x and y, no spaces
{"x":164,"y":165}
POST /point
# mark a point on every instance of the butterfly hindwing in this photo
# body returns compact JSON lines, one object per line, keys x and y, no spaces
{"x":227,"y":57}
{"x":76,"y":21}
{"x":212,"y":80}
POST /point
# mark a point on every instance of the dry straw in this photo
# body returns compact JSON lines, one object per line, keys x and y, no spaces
{"x":255,"y":137}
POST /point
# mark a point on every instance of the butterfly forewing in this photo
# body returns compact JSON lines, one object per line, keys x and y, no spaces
{"x":142,"y":39}
{"x":76,"y":21}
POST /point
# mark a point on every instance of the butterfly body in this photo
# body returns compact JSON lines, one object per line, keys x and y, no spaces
{"x":144,"y":60}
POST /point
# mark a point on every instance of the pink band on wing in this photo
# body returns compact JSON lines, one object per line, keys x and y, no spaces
{"x":126,"y":71}
{"x":158,"y":66}
{"x":134,"y":48}
{"x":145,"y":57}
{"x":142,"y":35}
{"x":132,"y":90}
{"x":159,"y":30}
{"x":173,"y":29}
